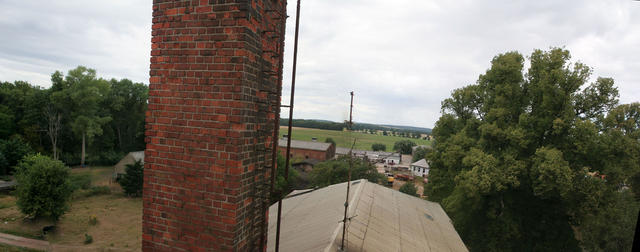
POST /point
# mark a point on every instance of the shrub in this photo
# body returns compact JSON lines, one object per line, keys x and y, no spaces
{"x":80,"y":181}
{"x":93,"y":220}
{"x":410,"y":189}
{"x":43,"y":187}
{"x":88,"y":239}
{"x":378,"y":147}
{"x":132,"y":180}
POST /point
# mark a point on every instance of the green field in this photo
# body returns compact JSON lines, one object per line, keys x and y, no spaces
{"x":345,"y":139}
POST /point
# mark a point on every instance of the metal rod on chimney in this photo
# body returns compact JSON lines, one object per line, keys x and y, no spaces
{"x":346,"y":201}
{"x":293,"y":88}
{"x":276,"y":126}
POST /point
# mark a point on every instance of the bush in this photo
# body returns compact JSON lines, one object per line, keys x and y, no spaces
{"x":80,"y":181}
{"x":132,"y":180}
{"x":283,"y":187}
{"x":13,"y":150}
{"x":378,"y":147}
{"x":88,"y":239}
{"x":93,"y":220}
{"x":410,"y":189}
{"x":43,"y":187}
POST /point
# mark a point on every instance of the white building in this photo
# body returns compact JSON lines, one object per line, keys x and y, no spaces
{"x":389,"y":158}
{"x":420,"y":168}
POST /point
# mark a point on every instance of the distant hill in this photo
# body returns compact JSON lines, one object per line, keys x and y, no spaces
{"x":330,"y":125}
{"x":420,"y":129}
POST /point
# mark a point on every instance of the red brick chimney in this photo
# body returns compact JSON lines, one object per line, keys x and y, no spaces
{"x":214,"y":96}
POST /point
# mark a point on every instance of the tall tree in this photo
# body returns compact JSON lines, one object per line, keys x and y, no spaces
{"x":127,"y":103}
{"x":513,"y":153}
{"x":81,"y":94}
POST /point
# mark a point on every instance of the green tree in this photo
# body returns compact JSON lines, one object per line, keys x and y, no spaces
{"x":81,"y":94}
{"x":330,"y":140}
{"x":404,"y":146}
{"x":513,"y":154}
{"x":13,"y":150}
{"x":127,"y":103}
{"x":420,"y":153}
{"x":337,"y":171}
{"x":21,"y":111}
{"x":282,"y":187}
{"x":133,"y":179}
{"x":43,"y":187}
{"x":611,"y":227}
{"x":409,"y":188}
{"x":378,"y":147}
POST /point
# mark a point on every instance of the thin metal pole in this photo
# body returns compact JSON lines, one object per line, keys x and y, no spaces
{"x":293,"y":89}
{"x":346,"y":201}
{"x":276,"y":127}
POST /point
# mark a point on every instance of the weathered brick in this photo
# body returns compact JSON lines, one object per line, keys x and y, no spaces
{"x":211,"y":119}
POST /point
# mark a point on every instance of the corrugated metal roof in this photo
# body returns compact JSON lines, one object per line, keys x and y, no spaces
{"x":421,"y":163}
{"x":307,"y":145}
{"x":382,"y":220}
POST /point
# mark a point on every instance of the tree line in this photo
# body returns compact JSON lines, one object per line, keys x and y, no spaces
{"x":410,"y":132}
{"x":542,"y":160}
{"x":81,"y":119}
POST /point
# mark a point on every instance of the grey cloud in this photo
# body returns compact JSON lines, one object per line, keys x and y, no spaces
{"x":401,"y":57}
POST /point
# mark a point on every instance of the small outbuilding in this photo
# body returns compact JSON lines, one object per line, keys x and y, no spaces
{"x":420,"y":168}
{"x":120,"y":168}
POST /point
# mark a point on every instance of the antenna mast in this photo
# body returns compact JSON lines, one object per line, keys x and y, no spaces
{"x":346,"y":201}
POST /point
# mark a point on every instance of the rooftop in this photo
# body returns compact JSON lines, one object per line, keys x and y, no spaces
{"x":421,"y":163}
{"x":382,"y":220}
{"x":379,"y":154}
{"x":307,"y":145}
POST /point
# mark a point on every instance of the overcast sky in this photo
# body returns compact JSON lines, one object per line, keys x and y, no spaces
{"x":401,"y":57}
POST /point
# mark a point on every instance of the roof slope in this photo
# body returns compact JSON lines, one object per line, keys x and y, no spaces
{"x":130,"y":158}
{"x":383,"y":220}
{"x":421,"y":163}
{"x":307,"y":145}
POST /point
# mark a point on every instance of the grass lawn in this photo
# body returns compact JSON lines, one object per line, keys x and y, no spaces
{"x":119,"y":218}
{"x":345,"y":139}
{"x":7,"y":248}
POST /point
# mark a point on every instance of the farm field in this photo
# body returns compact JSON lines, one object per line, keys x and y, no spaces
{"x":345,"y":139}
{"x":118,"y":226}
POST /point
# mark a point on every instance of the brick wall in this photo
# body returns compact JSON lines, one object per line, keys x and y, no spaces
{"x":214,"y":95}
{"x":311,"y":154}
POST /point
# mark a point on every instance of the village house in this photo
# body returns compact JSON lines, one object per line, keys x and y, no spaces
{"x":389,"y":158}
{"x":420,"y":168}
